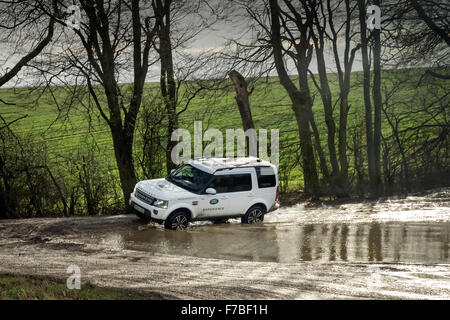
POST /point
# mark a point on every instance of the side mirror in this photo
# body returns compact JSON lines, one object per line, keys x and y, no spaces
{"x":171,"y":171}
{"x":210,"y":191}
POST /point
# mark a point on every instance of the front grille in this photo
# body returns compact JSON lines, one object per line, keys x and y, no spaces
{"x":141,"y":195}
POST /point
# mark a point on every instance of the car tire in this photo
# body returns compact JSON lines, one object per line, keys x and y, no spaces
{"x":254,"y":215}
{"x":177,"y":221}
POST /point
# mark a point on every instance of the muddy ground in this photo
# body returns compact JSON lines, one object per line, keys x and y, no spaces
{"x":112,"y":252}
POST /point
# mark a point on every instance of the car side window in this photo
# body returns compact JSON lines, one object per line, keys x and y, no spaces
{"x":221,"y":184}
{"x":266,"y":177}
{"x":241,"y":182}
{"x":232,"y":183}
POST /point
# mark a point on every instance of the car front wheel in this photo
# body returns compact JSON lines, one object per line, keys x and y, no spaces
{"x":178,"y":221}
{"x":254,"y":215}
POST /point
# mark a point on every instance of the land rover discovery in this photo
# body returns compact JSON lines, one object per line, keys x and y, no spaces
{"x":213,"y":189}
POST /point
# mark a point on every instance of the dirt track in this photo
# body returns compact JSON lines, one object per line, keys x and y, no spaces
{"x":46,"y":247}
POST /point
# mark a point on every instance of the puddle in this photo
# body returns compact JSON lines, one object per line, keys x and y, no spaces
{"x":413,"y":229}
{"x":386,"y":242}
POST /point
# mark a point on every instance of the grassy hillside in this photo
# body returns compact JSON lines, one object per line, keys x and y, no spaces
{"x":65,"y":131}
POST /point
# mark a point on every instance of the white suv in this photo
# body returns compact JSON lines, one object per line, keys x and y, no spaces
{"x":213,"y":189}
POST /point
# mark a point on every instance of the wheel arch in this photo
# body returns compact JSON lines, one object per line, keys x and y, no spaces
{"x":180,"y":209}
{"x":260,"y":203}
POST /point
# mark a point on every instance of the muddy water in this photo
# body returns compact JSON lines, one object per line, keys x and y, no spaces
{"x":415,"y":229}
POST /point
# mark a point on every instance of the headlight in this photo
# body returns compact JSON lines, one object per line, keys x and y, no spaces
{"x":161,"y":203}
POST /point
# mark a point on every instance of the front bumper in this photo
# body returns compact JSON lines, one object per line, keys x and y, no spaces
{"x":149,"y":212}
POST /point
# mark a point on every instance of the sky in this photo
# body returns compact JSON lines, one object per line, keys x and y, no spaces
{"x":211,"y":39}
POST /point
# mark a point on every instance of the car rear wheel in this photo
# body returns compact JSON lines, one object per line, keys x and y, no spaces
{"x":178,"y":221}
{"x":254,"y":215}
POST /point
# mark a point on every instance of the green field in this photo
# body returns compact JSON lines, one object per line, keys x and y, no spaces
{"x":65,"y":131}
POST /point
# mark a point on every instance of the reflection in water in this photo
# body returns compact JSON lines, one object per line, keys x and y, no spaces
{"x":389,"y":242}
{"x":365,"y":231}
{"x":344,"y":233}
{"x":306,"y":243}
{"x":374,"y":242}
{"x":444,"y":240}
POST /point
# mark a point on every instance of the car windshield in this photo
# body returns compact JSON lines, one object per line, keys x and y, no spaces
{"x":189,"y":178}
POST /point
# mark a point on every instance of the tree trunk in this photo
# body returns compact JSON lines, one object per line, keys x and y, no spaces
{"x":123,"y":150}
{"x":319,"y":149}
{"x":122,"y":136}
{"x":325,"y":94}
{"x":344,"y":84}
{"x":311,"y":180}
{"x":242,"y":99}
{"x":366,"y":85}
{"x":3,"y":193}
{"x":377,"y":104}
{"x":167,"y":80}
{"x":358,"y":163}
{"x":2,"y":204}
{"x":343,"y":116}
{"x":304,"y":87}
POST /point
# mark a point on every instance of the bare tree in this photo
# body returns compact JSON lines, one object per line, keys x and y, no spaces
{"x":300,"y":97}
{"x":23,"y":15}
{"x":440,"y":31}
{"x":163,"y":12}
{"x":16,"y":18}
{"x":366,"y":86}
{"x":377,"y":105}
{"x":416,"y":34}
{"x":333,"y":21}
{"x":109,"y":35}
{"x":178,"y":23}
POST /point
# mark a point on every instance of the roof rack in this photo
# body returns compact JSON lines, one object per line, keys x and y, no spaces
{"x":229,"y":163}
{"x":239,"y":167}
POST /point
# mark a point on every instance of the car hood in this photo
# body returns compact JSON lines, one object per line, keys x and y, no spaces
{"x":164,"y":190}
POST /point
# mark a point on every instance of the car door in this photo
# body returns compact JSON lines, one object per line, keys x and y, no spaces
{"x":240,"y":193}
{"x":218,"y":204}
